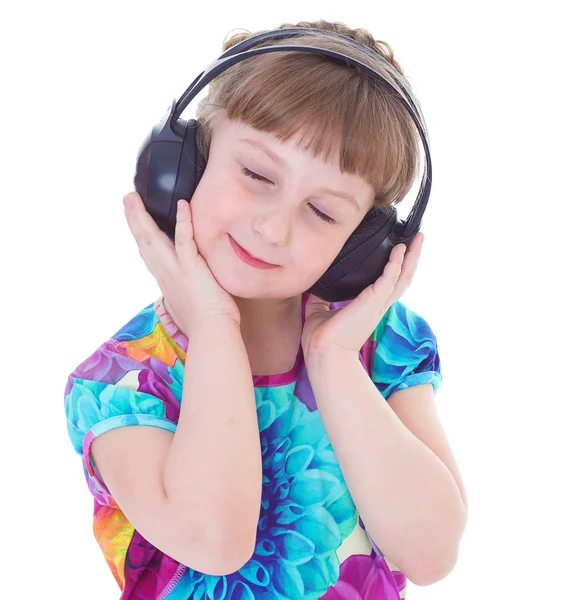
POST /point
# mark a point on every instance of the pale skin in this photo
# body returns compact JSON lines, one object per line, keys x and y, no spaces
{"x":396,"y":459}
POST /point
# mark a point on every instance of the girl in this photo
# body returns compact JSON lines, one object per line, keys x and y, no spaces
{"x":271,"y":465}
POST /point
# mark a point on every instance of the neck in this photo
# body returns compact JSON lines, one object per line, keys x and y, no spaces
{"x":266,"y":313}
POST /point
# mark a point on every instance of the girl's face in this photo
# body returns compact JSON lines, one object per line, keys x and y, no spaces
{"x":295,"y":218}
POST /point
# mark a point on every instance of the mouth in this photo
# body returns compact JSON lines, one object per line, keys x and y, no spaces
{"x":248,"y":258}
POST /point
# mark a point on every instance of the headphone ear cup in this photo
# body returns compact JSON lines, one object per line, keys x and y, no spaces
{"x":362,"y":259}
{"x":378,"y":222}
{"x":192,"y":164}
{"x":158,"y":161}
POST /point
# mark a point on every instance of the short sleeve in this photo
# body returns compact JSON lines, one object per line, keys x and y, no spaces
{"x":120,"y":384}
{"x":405,"y":352}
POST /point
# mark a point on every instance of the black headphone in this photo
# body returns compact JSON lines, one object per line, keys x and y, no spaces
{"x":170,"y":165}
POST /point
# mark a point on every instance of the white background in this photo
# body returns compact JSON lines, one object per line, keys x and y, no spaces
{"x":83,"y":83}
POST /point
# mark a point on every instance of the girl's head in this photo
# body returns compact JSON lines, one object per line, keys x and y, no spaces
{"x":331,"y":127}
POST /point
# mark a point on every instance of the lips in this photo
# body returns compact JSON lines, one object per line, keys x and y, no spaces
{"x":249,"y":258}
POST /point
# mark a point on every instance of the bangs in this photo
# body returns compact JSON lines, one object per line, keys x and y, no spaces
{"x":321,"y":105}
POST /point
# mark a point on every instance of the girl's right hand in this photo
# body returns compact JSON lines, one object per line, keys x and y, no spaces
{"x":187,"y":283}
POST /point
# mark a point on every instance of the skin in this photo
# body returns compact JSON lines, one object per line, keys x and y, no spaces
{"x":271,"y":220}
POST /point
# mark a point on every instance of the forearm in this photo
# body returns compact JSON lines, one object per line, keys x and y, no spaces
{"x":407,"y":497}
{"x":213,"y":467}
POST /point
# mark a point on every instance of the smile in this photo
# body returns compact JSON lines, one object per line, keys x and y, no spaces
{"x":247,"y":258}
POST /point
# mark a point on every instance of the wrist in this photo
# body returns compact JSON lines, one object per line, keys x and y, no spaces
{"x":329,"y":354}
{"x":213,"y":322}
{"x":190,"y":323}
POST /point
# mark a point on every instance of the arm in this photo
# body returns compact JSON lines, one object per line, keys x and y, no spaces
{"x":407,"y":497}
{"x":213,"y":467}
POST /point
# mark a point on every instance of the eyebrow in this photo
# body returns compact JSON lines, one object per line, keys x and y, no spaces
{"x":280,"y":162}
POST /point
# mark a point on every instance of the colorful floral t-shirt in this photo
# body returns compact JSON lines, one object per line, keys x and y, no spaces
{"x":311,"y":542}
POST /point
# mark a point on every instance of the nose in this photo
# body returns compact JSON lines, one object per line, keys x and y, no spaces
{"x":273,"y":225}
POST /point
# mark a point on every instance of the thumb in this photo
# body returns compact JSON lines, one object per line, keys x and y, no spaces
{"x":315,"y":305}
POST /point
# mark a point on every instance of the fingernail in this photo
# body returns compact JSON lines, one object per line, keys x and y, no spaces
{"x":128,"y":201}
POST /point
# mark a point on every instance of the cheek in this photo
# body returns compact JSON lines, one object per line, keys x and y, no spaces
{"x":217,"y":202}
{"x":205,"y":212}
{"x":318,"y":256}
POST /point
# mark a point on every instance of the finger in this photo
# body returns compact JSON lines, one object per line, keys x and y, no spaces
{"x":383,"y":288}
{"x":316,"y":304}
{"x":184,"y":240}
{"x":155,"y":247}
{"x":142,"y":225}
{"x":409,"y":266}
{"x":410,"y":263}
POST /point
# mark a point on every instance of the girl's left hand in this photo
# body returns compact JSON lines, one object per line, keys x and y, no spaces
{"x":347,"y":328}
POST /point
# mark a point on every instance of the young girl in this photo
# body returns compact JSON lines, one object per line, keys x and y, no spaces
{"x":271,"y":465}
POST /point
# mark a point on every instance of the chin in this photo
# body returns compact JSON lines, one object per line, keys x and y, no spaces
{"x":239,"y":285}
{"x":234,"y":283}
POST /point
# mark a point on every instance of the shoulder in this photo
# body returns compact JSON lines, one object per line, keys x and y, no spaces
{"x":141,"y":344}
{"x":405,"y":350}
{"x":402,"y":327}
{"x":137,"y":371}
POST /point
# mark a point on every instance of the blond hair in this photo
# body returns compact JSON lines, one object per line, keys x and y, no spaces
{"x":322,"y":102}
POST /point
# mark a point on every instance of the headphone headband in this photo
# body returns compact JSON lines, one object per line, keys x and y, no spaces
{"x":276,"y":34}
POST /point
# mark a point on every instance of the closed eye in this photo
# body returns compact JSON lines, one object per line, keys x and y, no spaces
{"x":319,"y":213}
